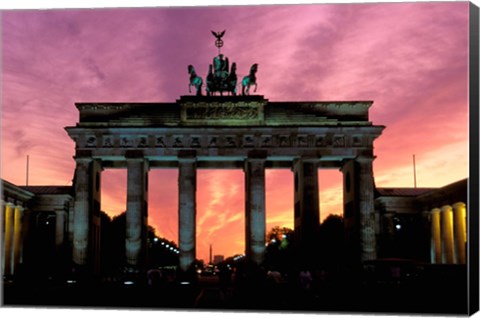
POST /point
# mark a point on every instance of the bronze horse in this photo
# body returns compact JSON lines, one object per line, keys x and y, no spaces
{"x":195,"y":81}
{"x":250,"y":80}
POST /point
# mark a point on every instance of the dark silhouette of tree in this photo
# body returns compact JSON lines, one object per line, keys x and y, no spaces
{"x":279,"y":253}
{"x":113,"y":244}
{"x":331,"y":241}
{"x":276,"y":233}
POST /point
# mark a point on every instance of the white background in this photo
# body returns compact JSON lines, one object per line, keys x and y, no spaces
{"x":73,"y":313}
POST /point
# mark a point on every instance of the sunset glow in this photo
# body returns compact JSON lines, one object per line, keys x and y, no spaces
{"x":410,"y":59}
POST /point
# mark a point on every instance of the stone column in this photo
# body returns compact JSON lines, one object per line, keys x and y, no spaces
{"x":8,"y":242}
{"x":18,"y":237}
{"x":460,"y":231}
{"x":59,"y":227}
{"x":436,"y":245}
{"x":71,"y":218}
{"x":137,"y":198}
{"x":2,"y":219}
{"x":306,"y":209}
{"x":366,"y":208}
{"x":255,"y":210}
{"x":187,"y":211}
{"x":81,"y":213}
{"x":447,"y":234}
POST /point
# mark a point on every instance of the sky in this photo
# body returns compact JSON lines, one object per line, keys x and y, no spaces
{"x":411,"y":59}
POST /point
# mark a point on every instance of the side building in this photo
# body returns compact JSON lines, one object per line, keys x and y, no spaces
{"x":425,"y":224}
{"x":36,"y":230}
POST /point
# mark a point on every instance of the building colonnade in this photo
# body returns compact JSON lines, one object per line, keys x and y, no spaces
{"x":87,"y":179}
{"x":12,"y":237}
{"x":449,"y":234}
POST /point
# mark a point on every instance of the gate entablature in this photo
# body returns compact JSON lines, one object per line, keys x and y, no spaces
{"x":226,"y":127}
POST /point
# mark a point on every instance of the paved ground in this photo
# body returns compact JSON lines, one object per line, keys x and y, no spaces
{"x":426,"y":297}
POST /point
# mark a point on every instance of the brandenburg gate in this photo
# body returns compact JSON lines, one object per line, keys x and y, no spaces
{"x":245,"y":132}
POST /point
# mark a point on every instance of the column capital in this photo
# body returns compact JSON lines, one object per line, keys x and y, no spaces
{"x":138,"y":160}
{"x":83,"y":154}
{"x":10,"y":204}
{"x":187,"y":155}
{"x":254,"y":165}
{"x":257,"y":154}
{"x":134,"y":155}
{"x":309,"y":159}
{"x":254,"y":160}
{"x":19,"y":208}
{"x":60,"y":212}
{"x":446,"y":208}
{"x":365,"y":159}
{"x":83,"y":160}
{"x":435,"y":210}
{"x":458,"y":205}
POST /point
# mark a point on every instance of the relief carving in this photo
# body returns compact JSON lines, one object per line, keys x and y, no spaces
{"x":248,"y":141}
{"x":266,"y":141}
{"x":339,"y":141}
{"x":357,"y":141}
{"x":108,"y":142}
{"x":213,"y":142}
{"x":125,"y":142}
{"x":230,"y":142}
{"x":302,"y":141}
{"x":178,"y":142}
{"x":195,"y":142}
{"x":160,"y":143}
{"x":142,"y":143}
{"x":319,"y":141}
{"x":284,"y":142}
{"x":225,"y":111}
{"x":91,"y":141}
{"x":101,"y":107}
